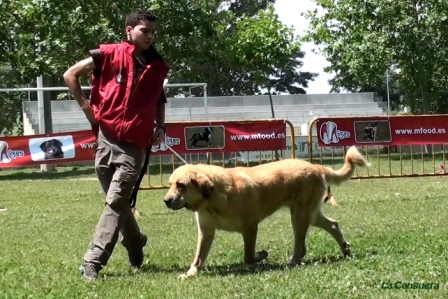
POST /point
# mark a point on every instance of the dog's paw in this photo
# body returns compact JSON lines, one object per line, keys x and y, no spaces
{"x":256,"y":258}
{"x":182,"y":277}
{"x":261,"y":255}
{"x":192,"y":272}
{"x":293,"y":263}
{"x":185,"y":276}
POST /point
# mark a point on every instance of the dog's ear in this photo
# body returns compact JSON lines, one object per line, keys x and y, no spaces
{"x":204,"y":184}
{"x":44,"y":146}
{"x":59,"y":142}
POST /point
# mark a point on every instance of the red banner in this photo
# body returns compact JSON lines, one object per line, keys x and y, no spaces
{"x":46,"y":149}
{"x":394,"y":130}
{"x":224,"y":136}
{"x":197,"y":137}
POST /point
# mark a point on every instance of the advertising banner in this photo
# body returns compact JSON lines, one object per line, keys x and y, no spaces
{"x":184,"y":138}
{"x":46,"y":149}
{"x":394,"y":130}
{"x":214,"y":137}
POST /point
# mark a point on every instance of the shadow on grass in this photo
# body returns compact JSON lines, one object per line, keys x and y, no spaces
{"x":148,"y":268}
{"x":35,"y":174}
{"x":239,"y":269}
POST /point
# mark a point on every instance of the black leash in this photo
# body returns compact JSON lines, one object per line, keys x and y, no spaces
{"x":133,"y":197}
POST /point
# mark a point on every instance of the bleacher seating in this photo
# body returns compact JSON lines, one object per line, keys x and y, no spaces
{"x":298,"y":109}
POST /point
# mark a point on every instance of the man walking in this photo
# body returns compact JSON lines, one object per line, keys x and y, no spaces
{"x":127,"y":113}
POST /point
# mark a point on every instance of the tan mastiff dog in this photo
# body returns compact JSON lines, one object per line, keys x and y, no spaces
{"x":238,"y":199}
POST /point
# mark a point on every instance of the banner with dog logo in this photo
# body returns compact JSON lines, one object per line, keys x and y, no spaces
{"x":190,"y":137}
{"x":46,"y":148}
{"x":393,"y":130}
{"x":216,"y":136}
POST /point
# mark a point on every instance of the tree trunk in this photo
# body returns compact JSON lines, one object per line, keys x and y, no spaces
{"x":270,"y":100}
{"x":425,"y":98}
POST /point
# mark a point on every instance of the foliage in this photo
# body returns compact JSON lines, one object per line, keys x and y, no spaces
{"x":48,"y":36}
{"x":211,"y":42}
{"x":199,"y":39}
{"x":10,"y":105}
{"x":361,"y":39}
{"x":269,"y":51}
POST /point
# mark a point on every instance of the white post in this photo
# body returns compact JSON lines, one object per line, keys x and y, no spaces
{"x":41,"y":115}
{"x":40,"y":105}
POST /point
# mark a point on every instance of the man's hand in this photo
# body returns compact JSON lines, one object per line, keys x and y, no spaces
{"x":159,"y":137}
{"x":90,"y":114}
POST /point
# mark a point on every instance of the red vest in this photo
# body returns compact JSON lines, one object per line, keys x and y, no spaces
{"x":125,"y":116}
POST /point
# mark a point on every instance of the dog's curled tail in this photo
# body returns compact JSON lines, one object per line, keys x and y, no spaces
{"x":353,"y":158}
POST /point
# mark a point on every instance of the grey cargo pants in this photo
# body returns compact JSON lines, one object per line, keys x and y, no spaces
{"x":117,"y":166}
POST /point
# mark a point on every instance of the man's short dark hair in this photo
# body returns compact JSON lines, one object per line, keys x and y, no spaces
{"x":134,"y":18}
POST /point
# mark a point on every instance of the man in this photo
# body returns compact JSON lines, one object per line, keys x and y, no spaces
{"x":127,"y":113}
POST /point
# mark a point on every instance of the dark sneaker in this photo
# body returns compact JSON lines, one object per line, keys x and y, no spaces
{"x":136,"y":256}
{"x":89,"y":271}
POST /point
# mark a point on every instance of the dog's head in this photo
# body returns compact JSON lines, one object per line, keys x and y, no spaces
{"x":370,"y":127}
{"x":189,"y":188}
{"x":370,"y":131}
{"x":52,"y":146}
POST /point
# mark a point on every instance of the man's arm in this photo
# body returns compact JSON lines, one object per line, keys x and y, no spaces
{"x":71,"y":78}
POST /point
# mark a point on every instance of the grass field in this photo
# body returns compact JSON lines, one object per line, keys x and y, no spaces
{"x":396,"y":227}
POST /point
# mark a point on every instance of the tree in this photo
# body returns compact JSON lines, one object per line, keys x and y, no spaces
{"x":10,"y":105}
{"x":199,"y":39}
{"x":207,"y":44}
{"x":270,"y":52}
{"x":361,"y":39}
{"x":49,"y":35}
{"x":45,"y":38}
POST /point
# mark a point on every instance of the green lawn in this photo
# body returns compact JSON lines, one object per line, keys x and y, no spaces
{"x":396,"y":227}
